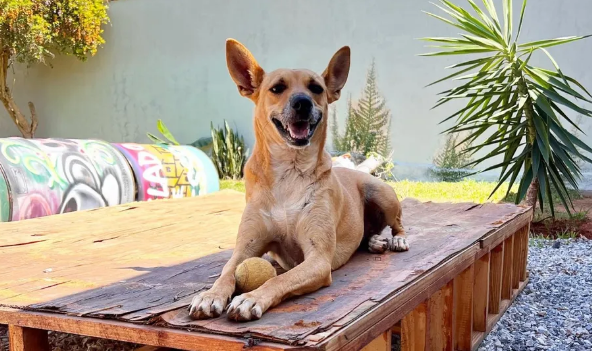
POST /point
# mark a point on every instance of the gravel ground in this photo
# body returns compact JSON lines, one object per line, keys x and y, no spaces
{"x":554,"y":311}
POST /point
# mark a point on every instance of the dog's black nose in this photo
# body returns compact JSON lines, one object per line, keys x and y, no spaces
{"x":302,"y":104}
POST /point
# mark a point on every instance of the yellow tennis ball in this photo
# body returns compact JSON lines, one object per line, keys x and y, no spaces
{"x":252,"y":273}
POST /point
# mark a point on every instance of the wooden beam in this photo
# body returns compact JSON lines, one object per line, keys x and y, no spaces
{"x":516,"y":259}
{"x":389,"y":312}
{"x":129,"y":332}
{"x":27,"y":339}
{"x":481,"y":293}
{"x":496,"y":263}
{"x":440,"y":319}
{"x":508,"y":229}
{"x":152,"y":348}
{"x":524,"y":253}
{"x":381,"y":343}
{"x":507,"y":271}
{"x":414,"y":329}
{"x":463,"y":310}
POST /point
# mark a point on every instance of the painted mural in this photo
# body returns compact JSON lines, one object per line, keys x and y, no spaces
{"x":4,"y":199}
{"x":51,"y":176}
{"x":170,"y":171}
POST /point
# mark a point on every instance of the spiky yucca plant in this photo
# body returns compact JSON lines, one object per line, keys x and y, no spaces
{"x":522,"y":106}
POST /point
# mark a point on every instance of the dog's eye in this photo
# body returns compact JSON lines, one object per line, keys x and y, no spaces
{"x":315,"y":88}
{"x":278,"y":88}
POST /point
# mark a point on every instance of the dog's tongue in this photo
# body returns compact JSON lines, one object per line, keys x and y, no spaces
{"x":299,"y":130}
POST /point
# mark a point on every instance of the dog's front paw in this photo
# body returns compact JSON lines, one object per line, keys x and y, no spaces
{"x":378,"y":244}
{"x":399,"y":244}
{"x":247,"y":307}
{"x":207,"y":305}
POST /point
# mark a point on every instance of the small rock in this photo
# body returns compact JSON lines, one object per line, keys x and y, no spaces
{"x":557,"y":244}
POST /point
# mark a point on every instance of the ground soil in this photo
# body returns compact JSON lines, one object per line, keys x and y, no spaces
{"x":580,"y":225}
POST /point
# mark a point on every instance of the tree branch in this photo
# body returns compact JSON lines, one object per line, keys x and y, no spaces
{"x":34,"y":120}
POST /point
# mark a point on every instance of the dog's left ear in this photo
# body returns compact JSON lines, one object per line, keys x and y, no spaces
{"x":336,"y":73}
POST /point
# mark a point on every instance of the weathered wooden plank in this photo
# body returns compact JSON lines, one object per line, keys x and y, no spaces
{"x":516,"y":259}
{"x":129,"y":332}
{"x":27,"y":339}
{"x":481,"y":293}
{"x":137,"y":261}
{"x":463,"y":309}
{"x":524,"y":253}
{"x":389,"y":312}
{"x":507,"y":229}
{"x":495,"y":278}
{"x":508,"y":268}
{"x":381,"y":343}
{"x":440,"y":319}
{"x":414,"y":329}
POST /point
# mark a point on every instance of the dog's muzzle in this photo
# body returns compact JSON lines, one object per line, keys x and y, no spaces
{"x":298,"y":120}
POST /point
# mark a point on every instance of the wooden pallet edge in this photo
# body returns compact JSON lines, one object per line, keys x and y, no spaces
{"x":127,"y":332}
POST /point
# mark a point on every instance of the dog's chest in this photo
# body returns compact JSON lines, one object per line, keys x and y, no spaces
{"x":289,"y":200}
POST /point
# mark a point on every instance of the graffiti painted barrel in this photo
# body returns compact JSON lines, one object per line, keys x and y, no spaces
{"x":42,"y":177}
{"x":170,"y":171}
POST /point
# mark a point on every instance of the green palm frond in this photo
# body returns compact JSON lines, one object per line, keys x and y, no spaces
{"x":519,"y":110}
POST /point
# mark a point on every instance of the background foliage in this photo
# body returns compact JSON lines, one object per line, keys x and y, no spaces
{"x":452,"y":161}
{"x":33,"y":30}
{"x":518,"y":108}
{"x":368,"y":123}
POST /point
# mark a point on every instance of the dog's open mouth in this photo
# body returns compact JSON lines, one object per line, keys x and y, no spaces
{"x":296,"y":133}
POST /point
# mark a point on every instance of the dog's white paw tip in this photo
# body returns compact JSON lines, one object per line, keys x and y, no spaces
{"x":204,"y":306}
{"x":243,"y":309}
{"x":399,"y":244}
{"x":377,"y":244}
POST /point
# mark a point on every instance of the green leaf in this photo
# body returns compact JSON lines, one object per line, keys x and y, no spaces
{"x":457,"y":52}
{"x":482,"y":42}
{"x":549,"y":82}
{"x":455,"y":74}
{"x":521,"y":18}
{"x":536,"y":159}
{"x":492,"y":12}
{"x":524,"y":184}
{"x":554,"y":96}
{"x":508,"y":20}
{"x":155,"y":139}
{"x":555,"y":74}
{"x":166,"y":133}
{"x":550,"y":42}
{"x":542,"y":178}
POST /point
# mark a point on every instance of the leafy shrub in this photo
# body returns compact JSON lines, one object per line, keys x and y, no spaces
{"x":204,"y":144}
{"x":225,"y":147}
{"x":451,"y":163}
{"x":228,"y":152}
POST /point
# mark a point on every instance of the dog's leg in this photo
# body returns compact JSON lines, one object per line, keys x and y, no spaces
{"x":251,"y":242}
{"x":310,"y":275}
{"x":384,"y":197}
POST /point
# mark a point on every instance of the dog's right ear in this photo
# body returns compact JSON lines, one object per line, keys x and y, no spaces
{"x":336,"y":73}
{"x":243,"y":68}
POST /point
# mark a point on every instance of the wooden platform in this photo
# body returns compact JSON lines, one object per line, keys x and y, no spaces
{"x":128,"y":272}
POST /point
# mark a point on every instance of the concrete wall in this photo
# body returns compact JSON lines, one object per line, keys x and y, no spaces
{"x":165,"y":59}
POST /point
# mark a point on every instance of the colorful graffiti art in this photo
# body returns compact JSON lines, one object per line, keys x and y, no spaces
{"x":170,"y":171}
{"x":51,"y":176}
{"x":4,"y":199}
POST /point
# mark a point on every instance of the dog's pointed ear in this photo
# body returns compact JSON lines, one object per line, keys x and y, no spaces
{"x":243,"y":68}
{"x":336,"y":73}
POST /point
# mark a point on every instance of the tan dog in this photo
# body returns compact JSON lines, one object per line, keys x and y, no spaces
{"x":309,"y":217}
